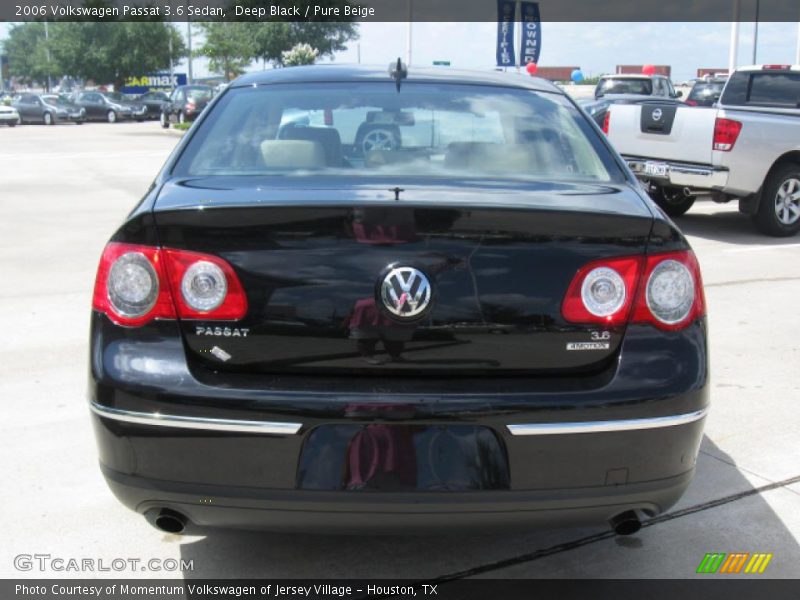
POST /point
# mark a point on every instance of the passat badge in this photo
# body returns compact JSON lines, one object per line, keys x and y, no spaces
{"x":405,"y":292}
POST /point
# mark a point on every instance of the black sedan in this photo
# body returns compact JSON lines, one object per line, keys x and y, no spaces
{"x":153,"y":103}
{"x":110,"y":106}
{"x":478,"y":320}
{"x":47,"y":109}
{"x":185,"y":104}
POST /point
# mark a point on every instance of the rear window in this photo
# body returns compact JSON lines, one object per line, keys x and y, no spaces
{"x":625,"y":86}
{"x":763,"y":88}
{"x":704,"y":91}
{"x":367,"y":129}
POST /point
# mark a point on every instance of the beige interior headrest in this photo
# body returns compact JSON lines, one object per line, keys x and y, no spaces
{"x":293,"y":154}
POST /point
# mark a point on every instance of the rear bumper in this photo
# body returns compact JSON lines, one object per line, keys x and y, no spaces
{"x":706,"y":177}
{"x":356,"y":512}
{"x":263,"y":452}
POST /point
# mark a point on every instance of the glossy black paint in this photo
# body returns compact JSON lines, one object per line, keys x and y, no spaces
{"x":153,"y":103}
{"x":490,"y":354}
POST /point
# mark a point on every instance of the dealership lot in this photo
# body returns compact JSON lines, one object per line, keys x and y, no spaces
{"x":65,"y":189}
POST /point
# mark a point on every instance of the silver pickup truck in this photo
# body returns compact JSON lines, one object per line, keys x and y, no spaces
{"x":746,"y":148}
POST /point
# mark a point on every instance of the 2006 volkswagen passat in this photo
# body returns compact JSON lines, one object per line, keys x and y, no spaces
{"x":360,"y":300}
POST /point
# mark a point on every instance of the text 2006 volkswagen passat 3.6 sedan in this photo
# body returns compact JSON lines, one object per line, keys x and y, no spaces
{"x":367,"y":300}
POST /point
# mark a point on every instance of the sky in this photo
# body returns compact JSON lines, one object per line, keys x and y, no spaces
{"x":595,"y":47}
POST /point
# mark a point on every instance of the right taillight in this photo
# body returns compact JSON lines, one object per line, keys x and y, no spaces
{"x":670,"y":294}
{"x":606,"y":122}
{"x":726,"y":132}
{"x":664,"y":290}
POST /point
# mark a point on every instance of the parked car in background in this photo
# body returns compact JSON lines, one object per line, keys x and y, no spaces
{"x":705,"y":93}
{"x":8,"y":115}
{"x":47,"y":109}
{"x":185,"y":103}
{"x":110,"y":106}
{"x":153,"y":103}
{"x":747,"y":149}
{"x":488,"y":327}
{"x":658,"y":86}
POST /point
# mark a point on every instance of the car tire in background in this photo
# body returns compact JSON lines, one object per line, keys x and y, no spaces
{"x":164,"y":121}
{"x":779,"y":209}
{"x":111,"y":116}
{"x":672,"y":200}
{"x":13,"y":123}
{"x":48,"y":119}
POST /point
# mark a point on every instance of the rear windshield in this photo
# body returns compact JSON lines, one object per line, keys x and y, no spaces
{"x":198,"y":93}
{"x":702,"y":91}
{"x":367,"y":129}
{"x":625,"y":86}
{"x":763,"y":88}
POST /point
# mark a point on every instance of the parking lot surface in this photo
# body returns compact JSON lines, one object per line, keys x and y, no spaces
{"x":65,"y":189}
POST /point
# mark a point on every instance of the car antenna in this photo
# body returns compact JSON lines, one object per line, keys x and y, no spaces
{"x":398,"y":71}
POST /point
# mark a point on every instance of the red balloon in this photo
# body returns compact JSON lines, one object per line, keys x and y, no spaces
{"x":531,"y":68}
{"x":648,"y":69}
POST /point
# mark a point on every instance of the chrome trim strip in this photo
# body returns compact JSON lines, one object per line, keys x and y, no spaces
{"x":606,"y":426}
{"x":204,"y":423}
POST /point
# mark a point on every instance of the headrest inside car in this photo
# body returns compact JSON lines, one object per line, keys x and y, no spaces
{"x":293,"y":154}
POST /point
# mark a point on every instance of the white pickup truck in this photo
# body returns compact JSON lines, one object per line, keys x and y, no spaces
{"x":747,"y":148}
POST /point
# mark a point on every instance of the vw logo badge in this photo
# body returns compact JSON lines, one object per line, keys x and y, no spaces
{"x":405,"y":292}
{"x":656,"y":114}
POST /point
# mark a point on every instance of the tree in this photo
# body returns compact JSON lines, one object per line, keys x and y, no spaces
{"x":301,"y":54}
{"x":115,"y":51}
{"x":229,"y":46}
{"x":272,"y":39}
{"x":27,"y":51}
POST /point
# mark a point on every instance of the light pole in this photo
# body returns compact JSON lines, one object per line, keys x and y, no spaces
{"x":189,"y":46}
{"x":408,"y":34}
{"x":734,"y":47}
{"x":755,"y":31}
{"x":47,"y":51}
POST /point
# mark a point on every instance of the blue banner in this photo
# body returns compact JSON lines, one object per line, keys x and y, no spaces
{"x":506,"y":11}
{"x":531,"y":42}
{"x":156,"y":82}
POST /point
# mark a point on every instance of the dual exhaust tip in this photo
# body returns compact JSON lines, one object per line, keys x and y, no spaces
{"x":171,"y":521}
{"x":625,"y":523}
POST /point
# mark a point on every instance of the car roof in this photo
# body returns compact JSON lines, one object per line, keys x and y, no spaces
{"x":632,"y":76}
{"x":360,"y":73}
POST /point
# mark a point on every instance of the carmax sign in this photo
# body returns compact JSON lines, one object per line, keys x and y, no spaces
{"x":161,"y":82}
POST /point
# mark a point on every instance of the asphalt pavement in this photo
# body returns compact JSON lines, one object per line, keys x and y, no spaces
{"x":65,"y":189}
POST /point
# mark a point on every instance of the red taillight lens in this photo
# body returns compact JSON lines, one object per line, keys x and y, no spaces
{"x":136,"y":284}
{"x":204,"y":286}
{"x":776,"y":67}
{"x":131,"y":286}
{"x":606,"y":122}
{"x":602,"y":292}
{"x":190,"y":106}
{"x":671,"y":294}
{"x":691,"y":102}
{"x":726,"y":132}
{"x":664,"y":290}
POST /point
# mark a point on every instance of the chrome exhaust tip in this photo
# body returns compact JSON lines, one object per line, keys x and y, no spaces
{"x":626,"y":523}
{"x":170,"y":521}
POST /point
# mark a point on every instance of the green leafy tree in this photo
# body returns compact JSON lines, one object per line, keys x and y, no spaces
{"x":27,"y":51}
{"x":301,"y":54}
{"x":113,"y":52}
{"x":272,"y":39}
{"x":229,"y":46}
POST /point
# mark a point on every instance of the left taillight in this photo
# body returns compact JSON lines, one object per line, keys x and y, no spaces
{"x":136,"y":284}
{"x":607,"y":121}
{"x":602,"y":292}
{"x":131,"y":287}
